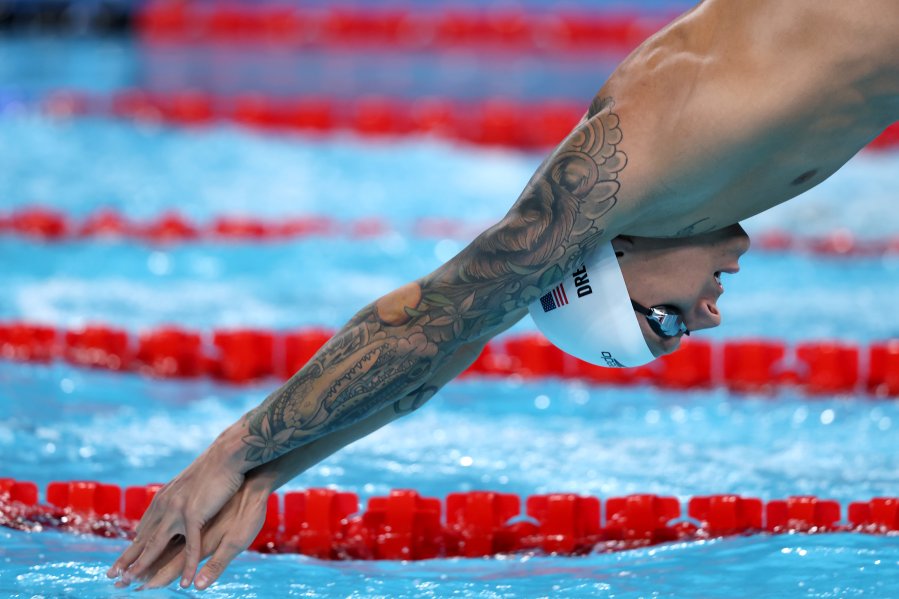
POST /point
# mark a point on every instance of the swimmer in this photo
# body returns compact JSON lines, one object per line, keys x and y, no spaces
{"x":731,"y":109}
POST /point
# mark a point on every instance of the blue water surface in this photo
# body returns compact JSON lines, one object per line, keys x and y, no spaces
{"x":828,"y":566}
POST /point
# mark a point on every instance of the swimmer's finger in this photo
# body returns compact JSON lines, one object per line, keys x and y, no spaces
{"x":125,"y":560}
{"x":192,"y":548}
{"x":165,"y":575}
{"x":172,"y":550}
{"x":154,"y":546}
{"x":166,"y":569}
{"x":212,"y":569}
{"x":127,"y":557}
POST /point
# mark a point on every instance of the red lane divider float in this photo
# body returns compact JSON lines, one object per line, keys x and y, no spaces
{"x":328,"y":524}
{"x":531,"y":126}
{"x":241,"y":356}
{"x":494,"y":122}
{"x":297,"y":26}
{"x":48,"y":224}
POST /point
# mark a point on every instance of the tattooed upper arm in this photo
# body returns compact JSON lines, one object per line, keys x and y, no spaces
{"x":395,"y":349}
{"x":564,"y":212}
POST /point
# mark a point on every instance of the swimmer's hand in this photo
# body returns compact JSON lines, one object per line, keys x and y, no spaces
{"x":225,"y":536}
{"x":179,"y":511}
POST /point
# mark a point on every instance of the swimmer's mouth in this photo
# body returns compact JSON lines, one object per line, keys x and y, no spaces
{"x":718,"y":281}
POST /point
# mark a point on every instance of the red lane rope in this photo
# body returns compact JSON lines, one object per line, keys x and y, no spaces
{"x":240,"y":356}
{"x":450,"y":29}
{"x":492,"y":122}
{"x":49,"y":224}
{"x":328,"y":524}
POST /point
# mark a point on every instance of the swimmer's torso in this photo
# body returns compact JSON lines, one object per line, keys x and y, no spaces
{"x":743,"y":104}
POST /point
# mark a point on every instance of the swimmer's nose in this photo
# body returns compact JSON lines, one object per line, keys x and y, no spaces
{"x":742,"y":241}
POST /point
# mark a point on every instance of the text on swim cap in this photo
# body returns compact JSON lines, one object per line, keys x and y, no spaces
{"x":581,"y":282}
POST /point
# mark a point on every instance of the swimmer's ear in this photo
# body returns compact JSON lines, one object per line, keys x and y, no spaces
{"x":622,"y":245}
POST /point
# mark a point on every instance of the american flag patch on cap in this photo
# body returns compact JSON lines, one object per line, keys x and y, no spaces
{"x":554,"y":299}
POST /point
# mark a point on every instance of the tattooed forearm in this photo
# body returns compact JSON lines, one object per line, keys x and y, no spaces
{"x":392,"y":348}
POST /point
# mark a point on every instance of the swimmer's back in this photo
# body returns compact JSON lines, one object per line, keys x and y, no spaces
{"x":740,"y":105}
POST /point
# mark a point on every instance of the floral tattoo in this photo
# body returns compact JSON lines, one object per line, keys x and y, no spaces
{"x":264,"y":445}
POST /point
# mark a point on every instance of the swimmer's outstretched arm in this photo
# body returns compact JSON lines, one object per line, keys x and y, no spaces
{"x":393,"y":349}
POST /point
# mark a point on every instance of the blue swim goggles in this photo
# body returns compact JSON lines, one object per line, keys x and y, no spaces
{"x":665,"y":321}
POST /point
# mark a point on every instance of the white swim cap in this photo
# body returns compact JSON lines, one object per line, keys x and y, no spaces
{"x":589,"y":315}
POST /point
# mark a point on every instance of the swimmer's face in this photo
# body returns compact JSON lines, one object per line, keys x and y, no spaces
{"x":683,"y":273}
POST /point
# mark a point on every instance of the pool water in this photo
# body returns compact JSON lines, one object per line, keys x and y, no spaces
{"x":58,"y":422}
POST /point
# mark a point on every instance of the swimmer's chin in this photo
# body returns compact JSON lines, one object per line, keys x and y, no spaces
{"x":657,"y":345}
{"x":663,"y":347}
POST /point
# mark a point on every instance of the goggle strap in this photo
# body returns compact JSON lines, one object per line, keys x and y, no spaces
{"x":640,"y":308}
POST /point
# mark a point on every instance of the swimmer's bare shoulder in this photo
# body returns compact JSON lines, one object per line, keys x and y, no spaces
{"x":738,"y":106}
